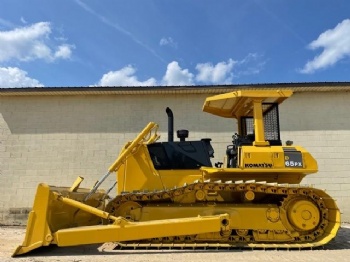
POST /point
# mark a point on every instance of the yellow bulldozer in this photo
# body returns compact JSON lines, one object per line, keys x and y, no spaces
{"x":169,"y":194}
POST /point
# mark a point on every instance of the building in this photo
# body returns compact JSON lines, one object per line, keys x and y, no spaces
{"x":53,"y":135}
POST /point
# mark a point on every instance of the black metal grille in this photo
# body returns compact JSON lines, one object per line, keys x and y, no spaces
{"x":271,"y":123}
{"x":247,"y":126}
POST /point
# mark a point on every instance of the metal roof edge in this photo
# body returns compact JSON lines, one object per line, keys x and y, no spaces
{"x":200,"y":89}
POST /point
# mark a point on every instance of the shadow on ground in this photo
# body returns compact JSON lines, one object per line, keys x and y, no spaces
{"x":341,"y":242}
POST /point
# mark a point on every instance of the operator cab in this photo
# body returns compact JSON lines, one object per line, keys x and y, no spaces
{"x":246,"y":135}
{"x":256,"y":112}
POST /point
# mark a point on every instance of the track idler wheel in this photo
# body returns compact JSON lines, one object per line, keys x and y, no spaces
{"x":303,"y":214}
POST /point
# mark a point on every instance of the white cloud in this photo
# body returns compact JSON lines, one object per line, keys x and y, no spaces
{"x":336,"y":46}
{"x":64,"y":51}
{"x":221,"y":73}
{"x":30,"y":43}
{"x":176,"y":76}
{"x":168,"y":41}
{"x":15,"y":77}
{"x":252,"y":64}
{"x":124,"y":77}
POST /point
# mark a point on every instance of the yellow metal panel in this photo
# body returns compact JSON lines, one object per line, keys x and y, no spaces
{"x":137,"y":172}
{"x":146,"y":177}
{"x":259,"y":124}
{"x":227,"y":105}
{"x":238,"y":214}
{"x":126,"y":231}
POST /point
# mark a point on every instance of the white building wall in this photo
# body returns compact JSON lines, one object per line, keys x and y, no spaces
{"x":320,"y":122}
{"x":54,"y":139}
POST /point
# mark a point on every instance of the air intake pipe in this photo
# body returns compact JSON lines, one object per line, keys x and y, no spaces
{"x":170,"y":124}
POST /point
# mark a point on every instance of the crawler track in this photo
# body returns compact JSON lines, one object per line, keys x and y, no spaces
{"x":309,"y":216}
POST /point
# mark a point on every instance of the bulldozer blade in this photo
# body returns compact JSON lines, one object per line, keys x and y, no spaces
{"x":61,"y":217}
{"x":49,"y":215}
{"x":38,"y":232}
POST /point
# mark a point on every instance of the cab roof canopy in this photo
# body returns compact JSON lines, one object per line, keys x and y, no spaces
{"x":240,"y":103}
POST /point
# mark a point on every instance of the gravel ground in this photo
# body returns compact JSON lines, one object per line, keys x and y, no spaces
{"x":10,"y":237}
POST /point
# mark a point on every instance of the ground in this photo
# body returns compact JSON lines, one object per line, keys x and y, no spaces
{"x":10,"y":237}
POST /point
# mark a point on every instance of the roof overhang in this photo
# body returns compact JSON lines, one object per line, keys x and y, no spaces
{"x":162,"y":90}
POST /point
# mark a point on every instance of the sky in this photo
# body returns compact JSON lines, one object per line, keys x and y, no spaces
{"x":72,"y":43}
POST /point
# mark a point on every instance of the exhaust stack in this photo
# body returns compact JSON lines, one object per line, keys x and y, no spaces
{"x":170,"y":124}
